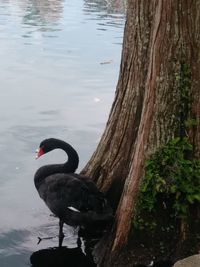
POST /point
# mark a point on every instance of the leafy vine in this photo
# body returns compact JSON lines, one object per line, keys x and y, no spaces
{"x":170,"y":172}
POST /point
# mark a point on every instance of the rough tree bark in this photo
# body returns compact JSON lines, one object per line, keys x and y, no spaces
{"x":160,"y":37}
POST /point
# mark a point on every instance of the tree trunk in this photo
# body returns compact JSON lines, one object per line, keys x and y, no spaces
{"x":157,"y":93}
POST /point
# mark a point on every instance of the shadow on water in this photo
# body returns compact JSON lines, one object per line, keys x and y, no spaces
{"x":61,"y":257}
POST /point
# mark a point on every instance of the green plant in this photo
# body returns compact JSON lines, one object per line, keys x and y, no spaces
{"x":172,"y":173}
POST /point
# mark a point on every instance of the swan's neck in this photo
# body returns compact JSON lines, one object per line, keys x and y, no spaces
{"x":69,"y":166}
{"x":73,"y":160}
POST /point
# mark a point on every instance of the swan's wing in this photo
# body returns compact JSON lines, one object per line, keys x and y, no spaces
{"x":60,"y":191}
{"x":96,"y":199}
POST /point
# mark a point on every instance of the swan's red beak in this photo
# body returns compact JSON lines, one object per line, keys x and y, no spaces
{"x":39,"y":152}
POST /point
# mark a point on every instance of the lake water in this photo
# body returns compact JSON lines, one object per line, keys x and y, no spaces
{"x":59,"y":64}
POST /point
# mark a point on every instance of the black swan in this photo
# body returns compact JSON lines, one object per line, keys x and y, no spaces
{"x":73,"y":198}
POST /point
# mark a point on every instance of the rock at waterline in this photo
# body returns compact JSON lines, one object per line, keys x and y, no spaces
{"x":192,"y":261}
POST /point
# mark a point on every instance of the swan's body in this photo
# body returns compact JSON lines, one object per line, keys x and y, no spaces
{"x":74,"y":199}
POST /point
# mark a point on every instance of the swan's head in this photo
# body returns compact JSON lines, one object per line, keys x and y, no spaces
{"x":46,"y":146}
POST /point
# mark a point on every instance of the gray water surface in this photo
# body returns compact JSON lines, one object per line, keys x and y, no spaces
{"x":59,"y":64}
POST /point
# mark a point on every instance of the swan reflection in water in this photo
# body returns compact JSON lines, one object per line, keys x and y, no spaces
{"x":61,"y":257}
{"x":80,"y":256}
